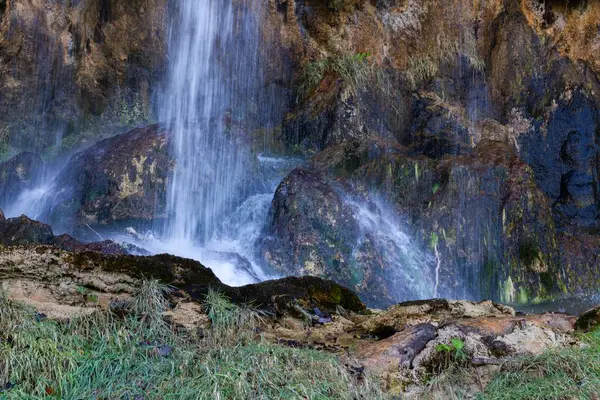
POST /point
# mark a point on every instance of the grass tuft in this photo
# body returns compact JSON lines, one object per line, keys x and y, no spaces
{"x":149,"y":303}
{"x":571,"y":373}
{"x":355,"y":70}
{"x":102,"y":356}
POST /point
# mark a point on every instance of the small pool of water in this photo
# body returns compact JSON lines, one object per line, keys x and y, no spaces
{"x":574,"y":305}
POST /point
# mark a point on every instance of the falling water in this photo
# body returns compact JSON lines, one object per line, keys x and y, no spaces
{"x":409,"y":266}
{"x":212,"y":53}
{"x":207,"y":168}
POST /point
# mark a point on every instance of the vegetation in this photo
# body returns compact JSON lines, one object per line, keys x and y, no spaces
{"x":135,"y":354}
{"x":139,"y":356}
{"x":355,"y":70}
{"x":425,"y":66}
{"x":568,"y":373}
{"x":572,"y":373}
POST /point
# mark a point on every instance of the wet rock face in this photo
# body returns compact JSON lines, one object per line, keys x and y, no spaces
{"x":310,"y":228}
{"x":480,"y":216}
{"x":566,"y":164}
{"x":18,"y":174}
{"x":119,"y":179}
{"x":321,"y":227}
{"x":337,"y":113}
{"x":559,"y":114}
{"x":83,"y":68}
{"x":488,"y":142}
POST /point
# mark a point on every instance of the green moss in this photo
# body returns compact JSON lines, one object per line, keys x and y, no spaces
{"x":528,"y":252}
{"x":522,"y":297}
{"x":507,"y":291}
{"x":547,"y":281}
{"x":336,"y":295}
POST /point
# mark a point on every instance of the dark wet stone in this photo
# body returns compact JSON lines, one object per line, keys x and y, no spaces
{"x":313,"y":229}
{"x":25,"y":231}
{"x":22,"y":230}
{"x":120,"y":179}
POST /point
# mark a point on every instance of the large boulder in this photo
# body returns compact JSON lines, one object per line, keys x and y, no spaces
{"x":320,"y":226}
{"x":123,"y":178}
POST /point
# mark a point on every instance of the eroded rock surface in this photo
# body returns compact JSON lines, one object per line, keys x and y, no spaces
{"x":321,"y":226}
{"x":486,"y":139}
{"x":84,"y":68}
{"x":50,"y":275}
{"x":119,"y":179}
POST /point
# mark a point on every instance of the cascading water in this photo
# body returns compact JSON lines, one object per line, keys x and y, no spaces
{"x":411,"y":267}
{"x":208,"y":168}
{"x":213,"y":53}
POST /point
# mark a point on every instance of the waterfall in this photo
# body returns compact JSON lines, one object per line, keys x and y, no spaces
{"x":207,"y":167}
{"x":410,"y":266}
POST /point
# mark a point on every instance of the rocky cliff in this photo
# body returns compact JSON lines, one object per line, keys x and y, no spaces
{"x":477,"y":122}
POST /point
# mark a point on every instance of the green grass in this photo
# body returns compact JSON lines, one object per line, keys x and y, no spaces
{"x":355,"y":70}
{"x":426,"y":66}
{"x":569,"y":373}
{"x":572,"y":373}
{"x":138,"y":356}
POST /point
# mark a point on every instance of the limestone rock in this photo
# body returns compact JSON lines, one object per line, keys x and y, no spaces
{"x":320,"y":226}
{"x":410,"y":355}
{"x":57,"y":274}
{"x":25,"y":231}
{"x":438,"y":311}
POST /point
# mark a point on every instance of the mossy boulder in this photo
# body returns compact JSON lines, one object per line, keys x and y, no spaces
{"x":321,"y":226}
{"x":120,"y":179}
